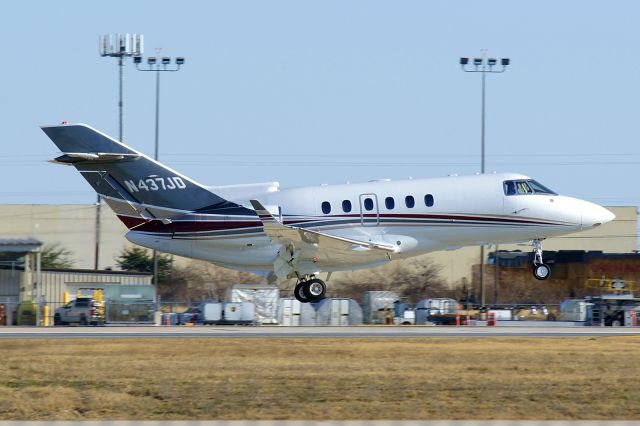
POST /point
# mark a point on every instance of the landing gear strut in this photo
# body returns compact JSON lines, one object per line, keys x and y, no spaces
{"x":541,"y":271}
{"x":310,"y":290}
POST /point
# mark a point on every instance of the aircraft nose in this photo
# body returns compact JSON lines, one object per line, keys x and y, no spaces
{"x":595,"y":215}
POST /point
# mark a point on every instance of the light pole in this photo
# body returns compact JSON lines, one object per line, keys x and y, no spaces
{"x":483,"y":66}
{"x":116,"y":46}
{"x":158,"y":65}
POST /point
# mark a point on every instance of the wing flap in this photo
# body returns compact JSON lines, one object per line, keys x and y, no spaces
{"x":285,"y":234}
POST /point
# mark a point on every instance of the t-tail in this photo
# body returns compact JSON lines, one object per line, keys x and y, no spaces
{"x":138,"y":188}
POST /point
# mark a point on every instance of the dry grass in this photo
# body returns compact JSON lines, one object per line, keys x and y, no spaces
{"x":501,"y":378}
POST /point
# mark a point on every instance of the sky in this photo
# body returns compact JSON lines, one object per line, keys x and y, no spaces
{"x":314,"y":92}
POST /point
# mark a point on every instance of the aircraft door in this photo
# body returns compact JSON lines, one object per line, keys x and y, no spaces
{"x":369,"y":211}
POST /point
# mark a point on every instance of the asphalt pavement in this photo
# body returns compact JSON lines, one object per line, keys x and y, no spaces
{"x":162,"y":332}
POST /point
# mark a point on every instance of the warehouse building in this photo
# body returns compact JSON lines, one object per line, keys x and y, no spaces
{"x":22,"y":280}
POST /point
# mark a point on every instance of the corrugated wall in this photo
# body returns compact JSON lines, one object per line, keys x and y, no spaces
{"x":55,"y":283}
{"x":9,"y":282}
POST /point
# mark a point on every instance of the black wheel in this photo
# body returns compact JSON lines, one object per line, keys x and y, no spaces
{"x":83,"y":320}
{"x":541,"y":271}
{"x":299,"y":293}
{"x":57,"y":320}
{"x":314,"y":289}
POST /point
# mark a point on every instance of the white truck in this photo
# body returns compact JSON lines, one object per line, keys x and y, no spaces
{"x":83,"y":311}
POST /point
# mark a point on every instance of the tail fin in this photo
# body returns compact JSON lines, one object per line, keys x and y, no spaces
{"x":132,"y":183}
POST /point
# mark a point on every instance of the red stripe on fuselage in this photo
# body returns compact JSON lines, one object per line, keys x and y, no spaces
{"x":178,"y":226}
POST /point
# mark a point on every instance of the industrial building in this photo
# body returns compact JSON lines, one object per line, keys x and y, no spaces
{"x":22,"y":280}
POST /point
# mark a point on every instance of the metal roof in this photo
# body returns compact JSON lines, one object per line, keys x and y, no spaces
{"x":12,"y":249}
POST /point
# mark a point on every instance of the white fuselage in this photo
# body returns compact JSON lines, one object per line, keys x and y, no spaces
{"x":445,"y":213}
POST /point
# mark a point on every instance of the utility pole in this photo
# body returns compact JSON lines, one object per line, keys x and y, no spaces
{"x":157,"y":64}
{"x":116,"y":46}
{"x":483,"y":66}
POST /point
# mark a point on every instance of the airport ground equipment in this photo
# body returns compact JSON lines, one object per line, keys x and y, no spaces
{"x":578,"y":310}
{"x":228,"y":313}
{"x":405,"y":316}
{"x":378,"y":305}
{"x":610,"y":309}
{"x":211,"y":312}
{"x":605,"y":310}
{"x":263,"y":297}
{"x":192,"y":315}
{"x":26,"y":313}
{"x":292,"y":312}
{"x":502,"y":314}
{"x":439,"y":311}
{"x":338,"y":312}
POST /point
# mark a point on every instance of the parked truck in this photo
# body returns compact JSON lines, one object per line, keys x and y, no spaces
{"x":83,"y":311}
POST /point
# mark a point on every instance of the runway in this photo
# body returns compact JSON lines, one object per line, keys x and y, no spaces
{"x":151,"y":332}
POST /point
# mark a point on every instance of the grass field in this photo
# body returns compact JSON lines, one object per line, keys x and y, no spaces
{"x":321,"y":379}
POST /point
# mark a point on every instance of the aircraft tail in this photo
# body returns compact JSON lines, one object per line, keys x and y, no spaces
{"x":134,"y":185}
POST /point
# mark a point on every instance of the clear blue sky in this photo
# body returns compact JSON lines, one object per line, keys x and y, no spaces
{"x":332,"y":91}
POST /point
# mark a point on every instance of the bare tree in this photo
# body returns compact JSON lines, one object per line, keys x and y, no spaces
{"x":413,"y":280}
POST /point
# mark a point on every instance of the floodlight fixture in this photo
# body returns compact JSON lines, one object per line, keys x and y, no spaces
{"x":137,"y":59}
{"x":485,"y":68}
{"x":166,"y":60}
{"x":151,"y":60}
{"x":180,"y":60}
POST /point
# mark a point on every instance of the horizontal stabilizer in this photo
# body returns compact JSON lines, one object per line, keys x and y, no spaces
{"x":77,"y":157}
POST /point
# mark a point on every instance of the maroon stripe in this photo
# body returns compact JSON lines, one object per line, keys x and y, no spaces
{"x":202,"y":226}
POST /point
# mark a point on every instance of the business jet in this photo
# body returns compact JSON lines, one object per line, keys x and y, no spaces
{"x":300,"y":232}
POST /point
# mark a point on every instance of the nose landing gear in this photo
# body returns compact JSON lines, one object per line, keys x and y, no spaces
{"x":310,"y":290}
{"x":541,"y":271}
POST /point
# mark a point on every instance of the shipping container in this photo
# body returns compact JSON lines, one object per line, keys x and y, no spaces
{"x":238,"y":312}
{"x":338,"y":312}
{"x":211,"y":312}
{"x":263,"y":297}
{"x":293,"y":313}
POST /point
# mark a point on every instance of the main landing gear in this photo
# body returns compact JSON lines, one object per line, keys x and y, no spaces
{"x":310,"y":290}
{"x":541,"y":271}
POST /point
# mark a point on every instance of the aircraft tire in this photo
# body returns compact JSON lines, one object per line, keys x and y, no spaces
{"x":541,"y":271}
{"x":299,"y":293}
{"x":315,"y":289}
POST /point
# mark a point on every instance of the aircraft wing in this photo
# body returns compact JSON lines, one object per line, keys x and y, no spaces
{"x":319,"y":247}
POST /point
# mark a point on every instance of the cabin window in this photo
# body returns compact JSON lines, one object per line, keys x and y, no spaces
{"x":390,"y":203}
{"x":368,"y":204}
{"x":428,"y":200}
{"x":346,"y":206}
{"x":326,"y":207}
{"x":409,"y":201}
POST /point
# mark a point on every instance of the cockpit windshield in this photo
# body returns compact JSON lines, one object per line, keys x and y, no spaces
{"x":525,"y":187}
